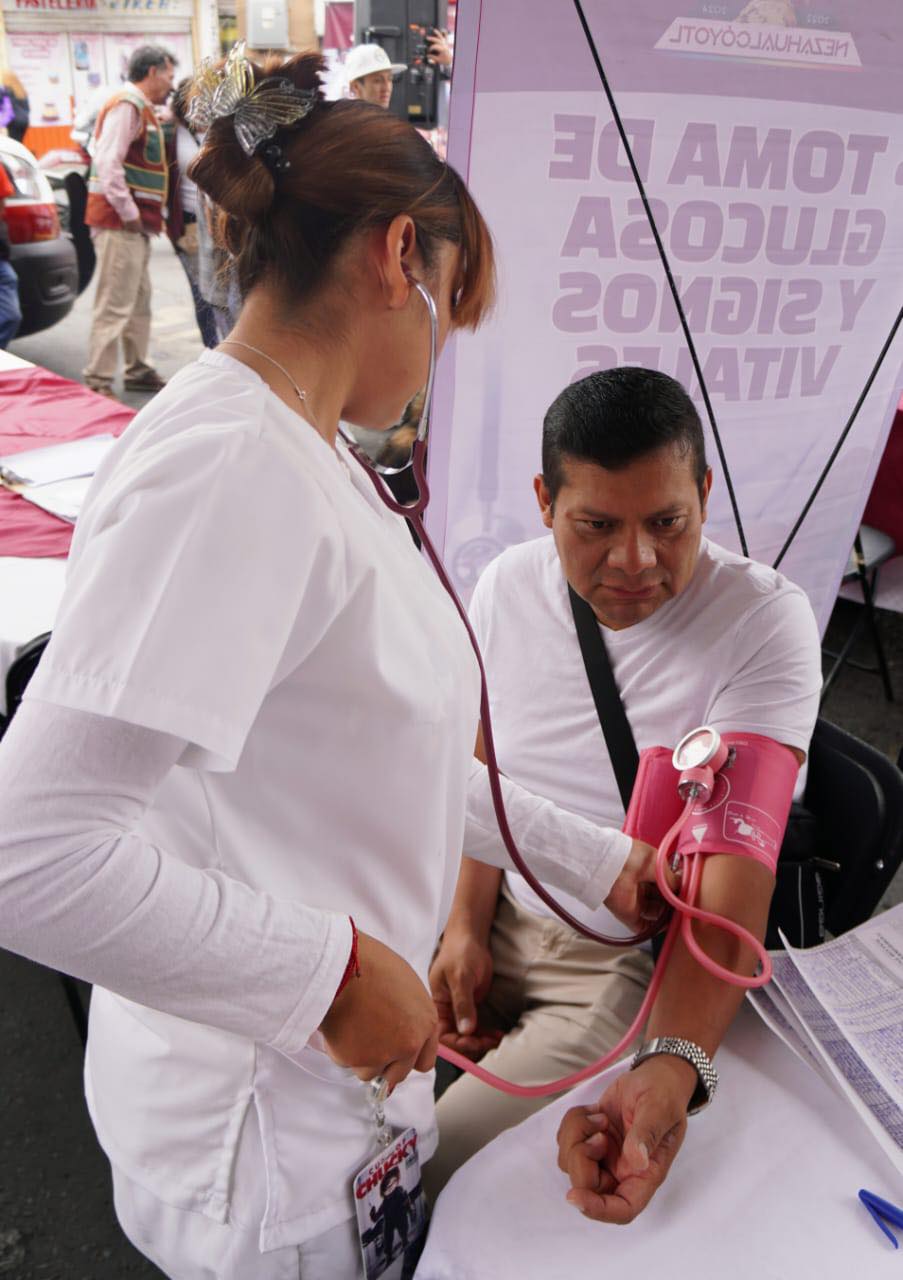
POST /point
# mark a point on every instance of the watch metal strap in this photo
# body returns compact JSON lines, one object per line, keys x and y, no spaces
{"x":690,"y":1052}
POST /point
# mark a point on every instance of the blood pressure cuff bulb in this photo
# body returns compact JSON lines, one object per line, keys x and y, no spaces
{"x":745,"y":814}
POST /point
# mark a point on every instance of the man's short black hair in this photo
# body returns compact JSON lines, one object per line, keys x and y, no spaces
{"x":616,"y":416}
{"x":144,"y":58}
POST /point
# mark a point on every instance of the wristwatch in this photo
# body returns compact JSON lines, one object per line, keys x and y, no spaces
{"x":690,"y":1052}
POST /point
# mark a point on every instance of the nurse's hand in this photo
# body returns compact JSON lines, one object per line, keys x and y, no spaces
{"x":384,"y":1022}
{"x":618,"y":1152}
{"x":634,"y":896}
{"x":460,"y":977}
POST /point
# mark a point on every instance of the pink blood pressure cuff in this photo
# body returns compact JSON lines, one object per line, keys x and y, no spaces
{"x":746,"y":813}
{"x":654,"y":802}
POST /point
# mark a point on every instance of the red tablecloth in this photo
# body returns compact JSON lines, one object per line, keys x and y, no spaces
{"x":38,"y":407}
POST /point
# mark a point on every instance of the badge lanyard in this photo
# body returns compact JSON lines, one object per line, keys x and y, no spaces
{"x":378,"y":1090}
{"x":388,"y":1196}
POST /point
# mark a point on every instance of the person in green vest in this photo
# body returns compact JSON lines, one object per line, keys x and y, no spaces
{"x":127,"y":191}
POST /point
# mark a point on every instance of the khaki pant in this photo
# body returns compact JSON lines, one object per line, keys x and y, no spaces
{"x":562,"y":1001}
{"x":121,"y":306}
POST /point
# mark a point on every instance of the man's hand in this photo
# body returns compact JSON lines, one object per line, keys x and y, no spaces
{"x":383,"y":1022}
{"x":618,"y":1153}
{"x":634,"y":896}
{"x":439,"y":49}
{"x":460,"y":977}
{"x":133,"y":225}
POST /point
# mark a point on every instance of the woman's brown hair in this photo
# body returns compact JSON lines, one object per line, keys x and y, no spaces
{"x":348,"y":166}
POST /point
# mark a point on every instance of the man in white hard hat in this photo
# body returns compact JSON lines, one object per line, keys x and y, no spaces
{"x":370,"y":73}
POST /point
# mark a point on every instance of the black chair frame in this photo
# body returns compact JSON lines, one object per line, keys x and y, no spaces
{"x":17,"y":678}
{"x":856,"y":795}
{"x":866,"y":578}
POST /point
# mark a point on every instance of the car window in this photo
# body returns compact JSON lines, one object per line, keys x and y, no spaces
{"x":23,"y":175}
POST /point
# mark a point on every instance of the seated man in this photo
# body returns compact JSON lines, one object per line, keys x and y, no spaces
{"x":695,"y":635}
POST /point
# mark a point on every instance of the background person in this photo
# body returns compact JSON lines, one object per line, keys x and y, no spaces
{"x":216,"y":278}
{"x":251,"y":670}
{"x":370,"y":74}
{"x":20,"y":110}
{"x":127,"y":192}
{"x":441,"y":55}
{"x":184,"y":211}
{"x":10,"y":309}
{"x":440,"y":50}
{"x":695,"y":635}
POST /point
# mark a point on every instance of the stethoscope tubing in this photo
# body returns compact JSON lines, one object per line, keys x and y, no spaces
{"x":680,"y":925}
{"x":684,"y":910}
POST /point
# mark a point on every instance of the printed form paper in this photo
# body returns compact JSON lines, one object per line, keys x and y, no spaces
{"x":839,"y":1007}
{"x":858,"y":978}
{"x":54,"y":462}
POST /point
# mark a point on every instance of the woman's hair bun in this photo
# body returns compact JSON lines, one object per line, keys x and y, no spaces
{"x":243,"y":186}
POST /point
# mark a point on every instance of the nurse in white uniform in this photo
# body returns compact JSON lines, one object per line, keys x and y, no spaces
{"x":238,"y":783}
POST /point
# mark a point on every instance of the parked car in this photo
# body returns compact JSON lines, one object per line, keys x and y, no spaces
{"x":43,"y":257}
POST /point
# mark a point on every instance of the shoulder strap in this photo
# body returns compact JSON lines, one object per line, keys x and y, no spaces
{"x":619,"y":738}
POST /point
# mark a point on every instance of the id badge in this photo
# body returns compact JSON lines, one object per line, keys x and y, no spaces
{"x":391,"y":1210}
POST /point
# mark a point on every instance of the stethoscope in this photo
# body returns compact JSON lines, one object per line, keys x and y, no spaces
{"x":697,"y":758}
{"x":414,"y":511}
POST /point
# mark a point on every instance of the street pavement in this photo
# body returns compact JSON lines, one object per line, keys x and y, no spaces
{"x":56,"y":1213}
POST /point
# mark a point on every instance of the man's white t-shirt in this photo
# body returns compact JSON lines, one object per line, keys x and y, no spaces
{"x":738,"y":649}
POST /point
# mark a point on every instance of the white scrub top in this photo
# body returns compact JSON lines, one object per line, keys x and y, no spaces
{"x":237,"y":583}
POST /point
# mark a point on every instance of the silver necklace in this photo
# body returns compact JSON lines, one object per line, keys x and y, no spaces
{"x":299,"y":392}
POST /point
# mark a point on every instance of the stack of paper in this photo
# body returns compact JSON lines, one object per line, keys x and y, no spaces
{"x":840,"y":1008}
{"x":56,"y":478}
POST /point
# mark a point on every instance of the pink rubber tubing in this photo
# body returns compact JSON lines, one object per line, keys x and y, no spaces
{"x":684,"y":913}
{"x":685,"y":910}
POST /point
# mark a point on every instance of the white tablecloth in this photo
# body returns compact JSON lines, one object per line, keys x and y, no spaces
{"x":764,"y":1188}
{"x":30,"y":592}
{"x":9,"y":361}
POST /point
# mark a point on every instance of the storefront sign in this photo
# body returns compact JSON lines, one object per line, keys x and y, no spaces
{"x":171,"y":8}
{"x":88,"y":70}
{"x":41,"y":61}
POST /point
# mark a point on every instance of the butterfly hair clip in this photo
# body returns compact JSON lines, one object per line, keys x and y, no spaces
{"x":258,"y":111}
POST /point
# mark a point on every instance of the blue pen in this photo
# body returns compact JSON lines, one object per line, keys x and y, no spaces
{"x":881,"y":1210}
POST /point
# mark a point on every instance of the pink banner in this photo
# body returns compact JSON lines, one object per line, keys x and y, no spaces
{"x":767,"y":135}
{"x":338,"y":30}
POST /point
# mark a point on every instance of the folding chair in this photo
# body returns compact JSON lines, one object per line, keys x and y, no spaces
{"x":856,"y":795}
{"x":23,"y":668}
{"x":871,"y":549}
{"x":20,"y":672}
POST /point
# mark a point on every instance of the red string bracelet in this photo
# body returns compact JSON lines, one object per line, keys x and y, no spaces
{"x":353,"y":967}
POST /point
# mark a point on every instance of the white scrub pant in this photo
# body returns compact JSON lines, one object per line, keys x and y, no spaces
{"x":188,"y":1246}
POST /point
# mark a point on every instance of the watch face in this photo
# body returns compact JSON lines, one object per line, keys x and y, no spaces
{"x":696,"y":749}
